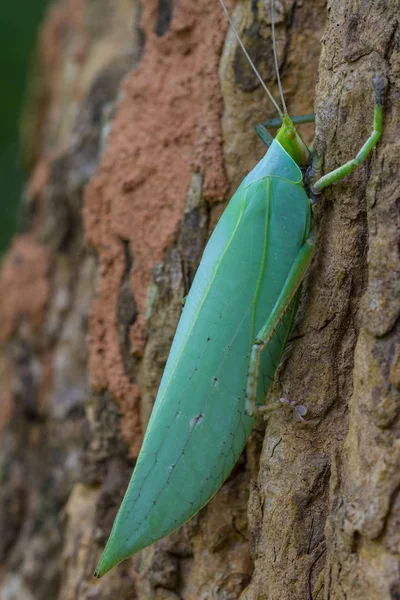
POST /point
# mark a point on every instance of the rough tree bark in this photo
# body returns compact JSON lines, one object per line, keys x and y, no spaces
{"x":140,"y":128}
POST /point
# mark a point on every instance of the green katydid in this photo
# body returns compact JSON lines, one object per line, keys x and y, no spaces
{"x":234,"y":327}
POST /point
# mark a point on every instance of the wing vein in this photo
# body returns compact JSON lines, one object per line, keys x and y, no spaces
{"x":264,"y":258}
{"x":217,"y":267}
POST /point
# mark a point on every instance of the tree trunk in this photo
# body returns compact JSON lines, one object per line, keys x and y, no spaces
{"x":139,"y":135}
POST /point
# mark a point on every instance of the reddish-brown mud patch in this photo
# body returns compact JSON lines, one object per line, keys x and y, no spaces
{"x":24,"y":286}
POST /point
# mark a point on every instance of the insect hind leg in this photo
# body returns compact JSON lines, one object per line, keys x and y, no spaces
{"x":288,"y":293}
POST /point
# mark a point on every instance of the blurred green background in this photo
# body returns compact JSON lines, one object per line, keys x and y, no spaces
{"x":19,"y":21}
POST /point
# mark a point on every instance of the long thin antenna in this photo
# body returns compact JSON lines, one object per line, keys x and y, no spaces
{"x":276,"y":57}
{"x":281,"y":114}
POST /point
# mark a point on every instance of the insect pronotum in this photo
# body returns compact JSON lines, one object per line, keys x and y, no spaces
{"x":234,"y":327}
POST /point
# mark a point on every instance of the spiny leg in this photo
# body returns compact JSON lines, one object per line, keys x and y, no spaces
{"x":379,"y":84}
{"x":292,"y":284}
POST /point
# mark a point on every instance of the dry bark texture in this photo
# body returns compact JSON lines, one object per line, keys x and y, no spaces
{"x":141,"y":128}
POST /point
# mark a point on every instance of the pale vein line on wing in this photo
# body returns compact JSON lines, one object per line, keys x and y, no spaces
{"x":205,"y":294}
{"x":264,"y":257}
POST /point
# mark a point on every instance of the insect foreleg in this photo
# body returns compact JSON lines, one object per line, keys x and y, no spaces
{"x":262,"y":128}
{"x":379,"y":84}
{"x":264,"y":134}
{"x":300,"y":120}
{"x":292,"y":284}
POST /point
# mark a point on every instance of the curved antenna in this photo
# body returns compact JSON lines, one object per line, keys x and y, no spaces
{"x":276,"y":57}
{"x":270,"y":96}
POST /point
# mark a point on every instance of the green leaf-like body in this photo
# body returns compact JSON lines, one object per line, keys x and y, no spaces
{"x":198,"y":426}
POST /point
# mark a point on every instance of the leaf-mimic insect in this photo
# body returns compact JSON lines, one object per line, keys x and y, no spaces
{"x":234,"y":327}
